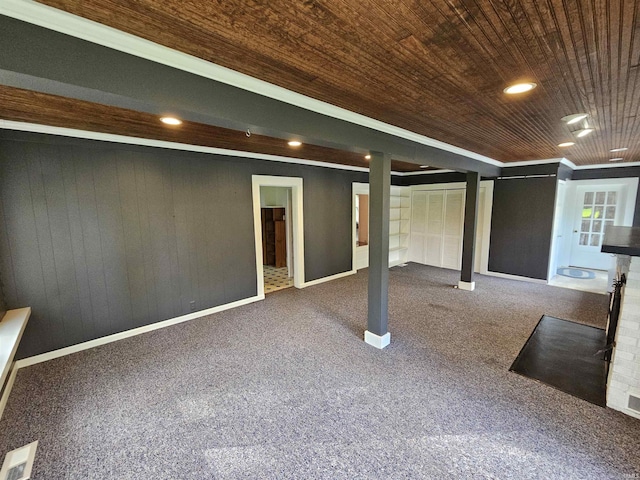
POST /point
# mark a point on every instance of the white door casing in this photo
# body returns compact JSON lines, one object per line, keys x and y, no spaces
{"x":569,"y":252}
{"x":295,"y":183}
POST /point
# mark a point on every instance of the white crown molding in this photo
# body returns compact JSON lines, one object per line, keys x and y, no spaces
{"x":568,"y":163}
{"x":607,"y":165}
{"x":63,"y":22}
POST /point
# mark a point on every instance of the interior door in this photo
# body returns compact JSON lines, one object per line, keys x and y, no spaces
{"x":453,"y":229}
{"x":434,"y":244}
{"x":596,"y":208}
{"x":418,"y":227}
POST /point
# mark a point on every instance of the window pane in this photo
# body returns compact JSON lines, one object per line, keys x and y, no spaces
{"x":587,"y":212}
{"x":588,"y":198}
{"x":598,"y":212}
{"x":608,"y":223}
{"x":595,"y":240}
{"x":586,"y":226}
{"x":612,"y":198}
{"x":584,"y":238}
{"x":600,"y":197}
{"x":597,"y":226}
{"x":611,"y":213}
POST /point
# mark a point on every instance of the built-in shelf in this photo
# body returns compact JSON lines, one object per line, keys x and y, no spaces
{"x":399,"y":224}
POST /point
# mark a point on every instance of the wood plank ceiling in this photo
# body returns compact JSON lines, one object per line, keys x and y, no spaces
{"x":435,"y":67}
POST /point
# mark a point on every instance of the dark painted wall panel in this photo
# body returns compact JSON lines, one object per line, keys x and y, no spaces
{"x":99,"y":238}
{"x":429,"y":178}
{"x":521,"y":226}
{"x":616,"y":172}
{"x":540,"y":169}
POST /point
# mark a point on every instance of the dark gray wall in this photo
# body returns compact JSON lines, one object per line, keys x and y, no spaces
{"x":3,"y":303}
{"x":616,"y":172}
{"x":430,"y":178}
{"x":100,"y":238}
{"x":521,"y":226}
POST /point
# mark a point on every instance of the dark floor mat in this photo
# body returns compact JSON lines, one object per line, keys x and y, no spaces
{"x":561,"y":354}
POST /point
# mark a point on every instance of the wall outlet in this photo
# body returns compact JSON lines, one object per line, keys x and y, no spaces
{"x":192,"y":305}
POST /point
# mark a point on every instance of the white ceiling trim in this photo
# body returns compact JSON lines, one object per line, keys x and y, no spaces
{"x":63,"y":22}
{"x":607,"y":165}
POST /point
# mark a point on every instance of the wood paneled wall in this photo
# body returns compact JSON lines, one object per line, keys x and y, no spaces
{"x":99,"y":238}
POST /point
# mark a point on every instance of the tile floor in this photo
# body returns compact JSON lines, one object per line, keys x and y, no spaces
{"x":276,"y":279}
{"x":595,"y":285}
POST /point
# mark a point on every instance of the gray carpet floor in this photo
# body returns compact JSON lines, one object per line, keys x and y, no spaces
{"x":286,"y":388}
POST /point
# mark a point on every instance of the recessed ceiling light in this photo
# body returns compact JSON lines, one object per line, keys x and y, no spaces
{"x":566,"y":144}
{"x":583,"y":132}
{"x":424,"y":166}
{"x":621,"y":149}
{"x":295,"y":143}
{"x":368,"y":157}
{"x":520,"y":88}
{"x":171,"y":120}
{"x":574,"y":118}
{"x":616,"y":159}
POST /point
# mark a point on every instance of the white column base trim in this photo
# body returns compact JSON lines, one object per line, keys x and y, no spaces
{"x":469,"y":286}
{"x":377,"y":340}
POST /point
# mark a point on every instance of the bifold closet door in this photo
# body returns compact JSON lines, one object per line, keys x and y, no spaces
{"x":437,"y":219}
{"x":453,"y":229}
{"x":418,"y":227}
{"x":434,"y":246}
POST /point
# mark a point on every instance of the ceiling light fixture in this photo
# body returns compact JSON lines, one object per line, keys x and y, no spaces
{"x":566,"y":144}
{"x":583,"y":132}
{"x":295,"y":143}
{"x":368,"y":157}
{"x":171,"y":120}
{"x":621,"y":149}
{"x":574,"y":118}
{"x":616,"y":159}
{"x":520,"y":88}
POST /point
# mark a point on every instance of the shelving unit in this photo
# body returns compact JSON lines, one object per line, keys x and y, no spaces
{"x":399,"y":225}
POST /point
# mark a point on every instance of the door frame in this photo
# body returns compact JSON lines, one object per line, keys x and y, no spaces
{"x":356,"y":189}
{"x":631,"y":183}
{"x":484,"y":229}
{"x":297,"y":225}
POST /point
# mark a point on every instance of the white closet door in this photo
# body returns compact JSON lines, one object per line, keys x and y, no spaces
{"x":435,"y":227}
{"x":453,"y":228}
{"x":418,"y":227}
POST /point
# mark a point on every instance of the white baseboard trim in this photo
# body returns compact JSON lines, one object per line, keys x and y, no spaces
{"x":516,"y":277}
{"x":377,"y":340}
{"x":25,"y":362}
{"x":329,"y":278}
{"x":468,"y":286}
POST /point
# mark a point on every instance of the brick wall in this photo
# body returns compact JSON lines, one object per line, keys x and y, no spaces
{"x":624,"y":376}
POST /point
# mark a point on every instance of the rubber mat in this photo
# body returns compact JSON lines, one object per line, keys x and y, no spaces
{"x":563,"y":354}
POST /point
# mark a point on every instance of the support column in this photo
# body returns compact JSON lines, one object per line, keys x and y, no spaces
{"x":379,"y":202}
{"x":470,"y":225}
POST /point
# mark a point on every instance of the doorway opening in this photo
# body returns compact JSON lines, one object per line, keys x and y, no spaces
{"x":584,"y":209}
{"x":278,"y":227}
{"x":277,"y":238}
